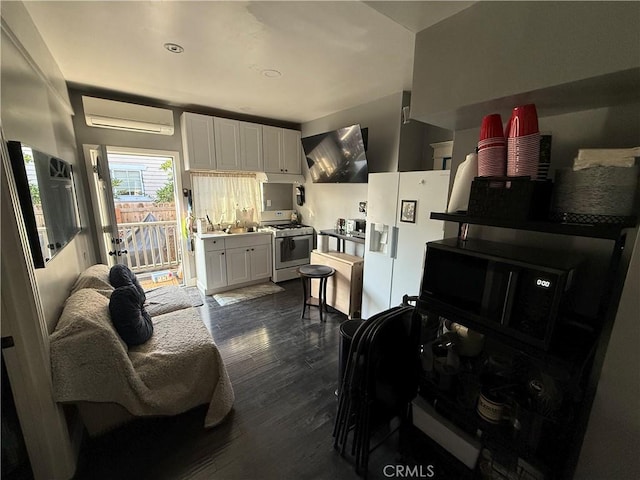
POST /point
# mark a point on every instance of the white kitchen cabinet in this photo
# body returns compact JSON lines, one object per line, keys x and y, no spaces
{"x":248,"y":259}
{"x":238,"y":145}
{"x":282,"y":150}
{"x":211,"y":265}
{"x":261,"y":262}
{"x":251,"y":147}
{"x":226,"y":262}
{"x":216,"y":265}
{"x":238,"y":265}
{"x":272,"y":148}
{"x":198,"y":141}
{"x":291,"y":151}
{"x":227,"y":135}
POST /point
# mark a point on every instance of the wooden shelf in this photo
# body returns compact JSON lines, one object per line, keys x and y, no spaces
{"x":606,"y":231}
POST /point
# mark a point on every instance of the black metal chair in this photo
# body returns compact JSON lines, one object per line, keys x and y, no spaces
{"x":380,"y":381}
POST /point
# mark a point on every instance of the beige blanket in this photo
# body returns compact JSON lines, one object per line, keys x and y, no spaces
{"x":177,"y":369}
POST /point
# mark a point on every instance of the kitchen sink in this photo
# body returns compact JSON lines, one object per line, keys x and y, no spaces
{"x":237,"y":230}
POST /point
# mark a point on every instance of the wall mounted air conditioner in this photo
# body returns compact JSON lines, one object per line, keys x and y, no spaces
{"x":102,"y":113}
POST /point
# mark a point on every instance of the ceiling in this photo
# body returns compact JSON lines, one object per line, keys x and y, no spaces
{"x":330,"y":55}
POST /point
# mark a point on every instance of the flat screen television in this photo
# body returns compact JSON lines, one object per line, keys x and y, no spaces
{"x":337,"y":156}
{"x":48,"y":201}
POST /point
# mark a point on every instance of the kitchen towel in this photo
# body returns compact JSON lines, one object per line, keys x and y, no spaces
{"x":605,"y":157}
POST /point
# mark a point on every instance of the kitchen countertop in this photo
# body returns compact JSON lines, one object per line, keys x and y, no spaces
{"x":357,"y":237}
{"x":342,"y":238}
{"x":204,"y":236}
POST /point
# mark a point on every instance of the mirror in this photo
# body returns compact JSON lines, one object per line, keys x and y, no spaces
{"x":48,"y":199}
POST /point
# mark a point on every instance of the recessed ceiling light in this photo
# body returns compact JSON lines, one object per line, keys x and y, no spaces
{"x":173,"y":47}
{"x":269,"y":73}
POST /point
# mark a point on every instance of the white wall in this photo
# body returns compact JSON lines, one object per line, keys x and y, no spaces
{"x":36,"y":111}
{"x":381,"y":117}
{"x":610,"y":448}
{"x":326,"y":202}
{"x":392,"y":147}
{"x":496,"y":50}
{"x":86,"y":135}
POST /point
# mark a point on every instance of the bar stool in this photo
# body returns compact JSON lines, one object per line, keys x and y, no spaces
{"x":308,"y":273}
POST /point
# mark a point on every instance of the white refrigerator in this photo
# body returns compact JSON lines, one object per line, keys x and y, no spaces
{"x":397,"y":232}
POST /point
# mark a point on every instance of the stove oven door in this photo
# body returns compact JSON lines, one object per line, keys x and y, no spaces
{"x":293,"y":251}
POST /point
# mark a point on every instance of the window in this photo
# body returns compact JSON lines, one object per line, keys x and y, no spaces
{"x":127,"y":182}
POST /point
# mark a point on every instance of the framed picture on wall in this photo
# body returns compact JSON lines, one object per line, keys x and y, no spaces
{"x":408,"y":211}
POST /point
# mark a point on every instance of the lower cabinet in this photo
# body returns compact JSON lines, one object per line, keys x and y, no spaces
{"x":216,"y":265}
{"x":261,"y":262}
{"x":226,"y":262}
{"x":211,"y":264}
{"x":238,"y":266}
{"x":245,"y":264}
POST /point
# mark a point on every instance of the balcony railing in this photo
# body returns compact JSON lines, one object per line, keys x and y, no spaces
{"x":150,"y":245}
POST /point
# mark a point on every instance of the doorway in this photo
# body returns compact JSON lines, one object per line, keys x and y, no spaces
{"x":138,"y":212}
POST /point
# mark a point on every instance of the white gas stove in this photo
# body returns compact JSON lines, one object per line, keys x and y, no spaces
{"x":292,"y":245}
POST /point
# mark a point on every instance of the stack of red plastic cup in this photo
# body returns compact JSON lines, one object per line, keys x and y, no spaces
{"x":523,"y":142}
{"x":492,"y":147}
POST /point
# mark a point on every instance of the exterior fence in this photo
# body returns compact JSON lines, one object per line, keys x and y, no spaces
{"x":150,"y":245}
{"x":130,"y":212}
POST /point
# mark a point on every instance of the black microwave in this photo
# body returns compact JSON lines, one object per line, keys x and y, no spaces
{"x":513,"y":290}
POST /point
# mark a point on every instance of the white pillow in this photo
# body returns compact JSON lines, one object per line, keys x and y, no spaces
{"x":95,"y":277}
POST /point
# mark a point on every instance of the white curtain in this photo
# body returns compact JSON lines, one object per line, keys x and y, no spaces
{"x":226,"y":197}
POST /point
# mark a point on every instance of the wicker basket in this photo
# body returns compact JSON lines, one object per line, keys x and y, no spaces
{"x":595,"y":195}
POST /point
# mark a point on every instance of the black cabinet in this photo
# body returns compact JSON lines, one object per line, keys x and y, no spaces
{"x":528,"y":406}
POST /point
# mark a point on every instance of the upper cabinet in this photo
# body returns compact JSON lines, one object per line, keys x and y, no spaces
{"x":227,"y":134}
{"x":238,"y":145}
{"x":272,"y":149}
{"x":214,"y":143}
{"x":291,"y":151}
{"x":282,"y":150}
{"x":251,"y":147}
{"x":198,"y":141}
{"x":562,"y":56}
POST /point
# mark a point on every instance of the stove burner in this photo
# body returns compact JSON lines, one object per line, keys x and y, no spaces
{"x":289,"y":229}
{"x":287,"y":226}
{"x":290,"y":225}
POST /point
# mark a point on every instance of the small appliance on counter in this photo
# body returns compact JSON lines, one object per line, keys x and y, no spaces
{"x":355,"y":225}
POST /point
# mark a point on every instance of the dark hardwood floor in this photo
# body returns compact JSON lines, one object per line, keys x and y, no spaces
{"x":284,"y":371}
